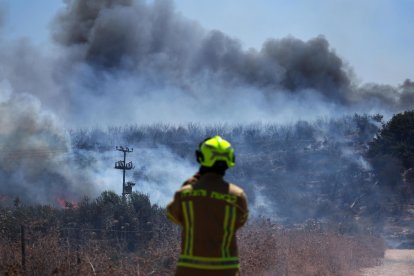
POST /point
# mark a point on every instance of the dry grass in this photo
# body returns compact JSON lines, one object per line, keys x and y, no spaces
{"x":50,"y":254}
{"x":265,"y":249}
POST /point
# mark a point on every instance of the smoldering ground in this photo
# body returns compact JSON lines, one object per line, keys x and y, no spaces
{"x":117,"y":62}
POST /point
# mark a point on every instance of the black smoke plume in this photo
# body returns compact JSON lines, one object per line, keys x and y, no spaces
{"x":152,"y":41}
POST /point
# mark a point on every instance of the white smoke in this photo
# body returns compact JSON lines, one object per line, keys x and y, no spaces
{"x":34,"y":149}
{"x":118,"y":62}
{"x":158,"y":171}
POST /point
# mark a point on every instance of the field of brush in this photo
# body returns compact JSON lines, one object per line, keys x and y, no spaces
{"x":109,"y":236}
{"x":314,"y":199}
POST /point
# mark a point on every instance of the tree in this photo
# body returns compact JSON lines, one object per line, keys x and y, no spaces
{"x":392,"y":151}
{"x":396,"y":139}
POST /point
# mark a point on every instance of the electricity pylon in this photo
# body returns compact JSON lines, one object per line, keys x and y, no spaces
{"x":122,"y":165}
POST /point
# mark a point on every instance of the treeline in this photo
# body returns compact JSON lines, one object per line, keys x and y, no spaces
{"x":391,"y":154}
{"x":290,"y":172}
{"x":132,"y":221}
{"x":334,"y":169}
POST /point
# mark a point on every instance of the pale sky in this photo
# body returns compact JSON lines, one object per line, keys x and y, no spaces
{"x":376,"y":37}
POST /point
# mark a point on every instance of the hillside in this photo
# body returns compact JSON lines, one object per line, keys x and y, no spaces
{"x":316,"y":200}
{"x":294,"y":172}
{"x":291,"y":173}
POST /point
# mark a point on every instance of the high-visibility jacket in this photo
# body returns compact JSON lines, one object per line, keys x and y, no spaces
{"x":210,"y":210}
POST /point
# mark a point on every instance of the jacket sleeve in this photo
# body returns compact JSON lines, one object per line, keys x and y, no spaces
{"x":243,"y":210}
{"x":174,"y":210}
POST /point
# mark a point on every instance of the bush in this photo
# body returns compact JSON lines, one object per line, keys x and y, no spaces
{"x":392,"y":155}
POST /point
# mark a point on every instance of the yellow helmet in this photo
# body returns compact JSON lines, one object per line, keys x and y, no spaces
{"x":215,"y":149}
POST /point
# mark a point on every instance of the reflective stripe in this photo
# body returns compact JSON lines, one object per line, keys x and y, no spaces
{"x":225,"y":233}
{"x":188,"y":226}
{"x":172,"y":218}
{"x":190,"y":205}
{"x":228,"y":227}
{"x":232,"y":228}
{"x":208,"y":263}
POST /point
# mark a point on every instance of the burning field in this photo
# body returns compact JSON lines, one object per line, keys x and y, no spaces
{"x":140,"y":74}
{"x":167,"y":72}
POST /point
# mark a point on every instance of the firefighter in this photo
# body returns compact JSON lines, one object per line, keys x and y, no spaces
{"x":210,"y":210}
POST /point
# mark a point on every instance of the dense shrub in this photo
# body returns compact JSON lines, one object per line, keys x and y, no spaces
{"x":132,"y":221}
{"x":396,"y":139}
{"x":392,"y":153}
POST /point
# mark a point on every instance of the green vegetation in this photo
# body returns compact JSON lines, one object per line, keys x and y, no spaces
{"x":134,"y":221}
{"x":391,"y":154}
{"x":396,"y":140}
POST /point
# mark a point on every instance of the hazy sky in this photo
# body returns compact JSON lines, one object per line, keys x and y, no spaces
{"x":376,"y":37}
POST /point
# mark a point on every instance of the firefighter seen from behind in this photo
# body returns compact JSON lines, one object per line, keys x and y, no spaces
{"x":210,"y":210}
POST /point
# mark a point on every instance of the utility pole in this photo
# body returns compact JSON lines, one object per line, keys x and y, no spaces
{"x":23,"y":247}
{"x":122,"y":165}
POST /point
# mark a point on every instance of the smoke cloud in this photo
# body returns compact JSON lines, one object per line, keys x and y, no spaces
{"x":2,"y":16}
{"x":133,"y":61}
{"x":117,"y":62}
{"x":34,"y":148}
{"x":144,"y":53}
{"x":123,"y":59}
